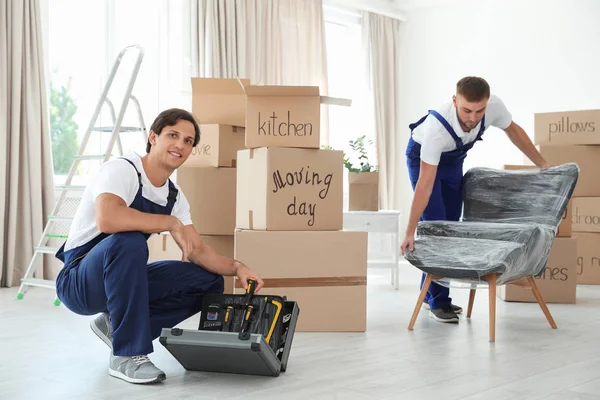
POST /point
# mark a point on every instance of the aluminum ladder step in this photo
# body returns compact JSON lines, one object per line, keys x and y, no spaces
{"x":69,"y":187}
{"x":121,"y":129}
{"x":90,"y":157}
{"x":61,"y":217}
{"x":45,"y":249}
{"x":45,"y":283}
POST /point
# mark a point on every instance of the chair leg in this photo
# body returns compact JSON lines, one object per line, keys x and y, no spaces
{"x":420,"y":300}
{"x":541,"y":302}
{"x":471,"y":301}
{"x":492,"y":286}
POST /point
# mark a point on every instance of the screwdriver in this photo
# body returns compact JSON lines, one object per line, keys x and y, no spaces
{"x":228,"y":318}
{"x":244,"y":334}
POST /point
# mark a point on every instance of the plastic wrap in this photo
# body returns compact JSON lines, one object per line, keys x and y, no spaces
{"x":510,"y":218}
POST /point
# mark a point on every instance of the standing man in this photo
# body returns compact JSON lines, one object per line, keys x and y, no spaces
{"x":105,"y":257}
{"x":435,"y":154}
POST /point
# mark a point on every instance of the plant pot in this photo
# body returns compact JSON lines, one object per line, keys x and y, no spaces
{"x":363,"y":191}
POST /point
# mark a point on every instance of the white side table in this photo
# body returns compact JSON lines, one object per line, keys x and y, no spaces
{"x":382,"y":221}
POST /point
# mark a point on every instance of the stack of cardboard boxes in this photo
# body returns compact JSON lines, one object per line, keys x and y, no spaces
{"x":574,"y":136}
{"x":258,"y":171}
{"x":208,"y":177}
{"x":289,"y":212}
{"x":563,"y":137}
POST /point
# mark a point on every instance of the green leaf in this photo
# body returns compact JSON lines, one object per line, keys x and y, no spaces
{"x":63,"y":128}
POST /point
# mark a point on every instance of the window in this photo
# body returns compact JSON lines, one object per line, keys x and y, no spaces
{"x":85,"y":39}
{"x":348,"y":78}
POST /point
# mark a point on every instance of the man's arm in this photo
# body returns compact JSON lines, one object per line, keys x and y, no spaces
{"x":113,"y":215}
{"x":423,"y":191}
{"x":207,"y":258}
{"x":421,"y":197}
{"x":520,"y":139}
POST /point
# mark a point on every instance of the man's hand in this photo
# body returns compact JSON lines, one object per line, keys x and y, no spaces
{"x":183,"y":237}
{"x":244,"y":273}
{"x":409,"y":242}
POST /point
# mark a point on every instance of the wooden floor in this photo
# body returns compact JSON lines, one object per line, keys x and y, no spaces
{"x":49,"y":353}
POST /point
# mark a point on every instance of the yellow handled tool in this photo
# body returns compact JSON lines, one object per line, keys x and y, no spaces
{"x":244,"y":334}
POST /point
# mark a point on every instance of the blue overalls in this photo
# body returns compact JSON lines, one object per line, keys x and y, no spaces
{"x":111,"y":274}
{"x":445,"y":202}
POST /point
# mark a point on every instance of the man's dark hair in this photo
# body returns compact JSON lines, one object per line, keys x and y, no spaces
{"x":473,"y":89}
{"x":169,"y":118}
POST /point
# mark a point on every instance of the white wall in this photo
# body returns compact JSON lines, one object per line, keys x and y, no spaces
{"x":537,"y":56}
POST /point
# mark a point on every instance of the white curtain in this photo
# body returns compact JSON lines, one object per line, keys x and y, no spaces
{"x":26,"y":177}
{"x":270,"y":42}
{"x":381,"y":38}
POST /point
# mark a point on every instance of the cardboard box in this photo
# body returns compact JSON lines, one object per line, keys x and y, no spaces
{"x":219,"y":101}
{"x":325,"y":272}
{"x":289,"y":189}
{"x":285,"y":116}
{"x":162,"y":247}
{"x":211,"y":194}
{"x":588,"y":160}
{"x":567,"y":127}
{"x":218,"y":146}
{"x":363,"y":191}
{"x":558,"y":284}
{"x":586,"y":214}
{"x":565,"y":227}
{"x":588,"y":258}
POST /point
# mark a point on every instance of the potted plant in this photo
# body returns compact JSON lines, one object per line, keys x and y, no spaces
{"x":363,"y":176}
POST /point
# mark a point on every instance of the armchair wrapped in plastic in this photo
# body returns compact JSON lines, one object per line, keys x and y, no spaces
{"x":510,"y":218}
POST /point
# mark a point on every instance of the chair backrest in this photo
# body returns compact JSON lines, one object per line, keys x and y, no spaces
{"x":539,"y":196}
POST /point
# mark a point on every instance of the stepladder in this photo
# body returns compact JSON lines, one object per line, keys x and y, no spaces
{"x":100,"y":142}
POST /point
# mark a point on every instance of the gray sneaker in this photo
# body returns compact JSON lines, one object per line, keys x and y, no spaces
{"x":444,"y":314}
{"x":135,"y":369}
{"x":103,"y":328}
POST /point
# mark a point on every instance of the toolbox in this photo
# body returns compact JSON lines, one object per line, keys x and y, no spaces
{"x":242,"y":334}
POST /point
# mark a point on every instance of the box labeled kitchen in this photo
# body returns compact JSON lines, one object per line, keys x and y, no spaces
{"x":325,"y":272}
{"x":289,"y":189}
{"x":285,"y":116}
{"x":218,"y":146}
{"x":567,"y":128}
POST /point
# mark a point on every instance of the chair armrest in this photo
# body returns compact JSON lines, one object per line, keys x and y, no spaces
{"x":519,"y":233}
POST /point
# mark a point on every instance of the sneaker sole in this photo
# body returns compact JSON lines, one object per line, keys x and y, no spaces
{"x":426,"y":306}
{"x":126,"y":378}
{"x":101,"y":334}
{"x":451,"y":320}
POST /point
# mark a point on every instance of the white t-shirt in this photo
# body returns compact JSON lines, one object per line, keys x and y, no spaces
{"x":435,"y":139}
{"x":118,"y":177}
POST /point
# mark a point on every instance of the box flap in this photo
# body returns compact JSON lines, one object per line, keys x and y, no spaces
{"x":218,"y":85}
{"x":336,"y":101}
{"x":255,"y":90}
